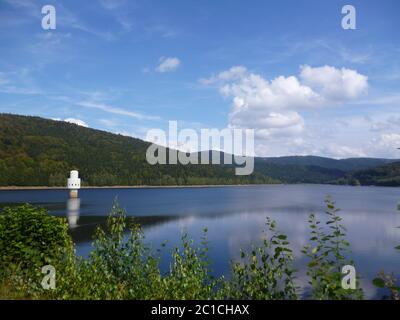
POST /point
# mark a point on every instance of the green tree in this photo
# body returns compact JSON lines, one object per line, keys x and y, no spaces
{"x":266,"y":272}
{"x":327,"y":253}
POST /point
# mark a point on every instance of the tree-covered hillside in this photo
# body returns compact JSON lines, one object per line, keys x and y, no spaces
{"x":386,"y":175}
{"x":344,"y":165}
{"x":41,"y":152}
{"x":294,"y":173}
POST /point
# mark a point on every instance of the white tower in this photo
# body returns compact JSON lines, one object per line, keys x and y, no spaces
{"x":74,"y":183}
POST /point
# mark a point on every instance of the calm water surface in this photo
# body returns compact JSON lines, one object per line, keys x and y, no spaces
{"x":235,"y":218}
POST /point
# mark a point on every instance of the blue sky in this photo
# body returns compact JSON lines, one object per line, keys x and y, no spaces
{"x":284,"y":68}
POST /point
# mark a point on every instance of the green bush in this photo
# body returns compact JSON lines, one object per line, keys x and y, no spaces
{"x":327,"y":252}
{"x":30,"y":238}
{"x":266,"y":272}
{"x":124,"y":267}
{"x":118,"y":267}
{"x":190,"y":276}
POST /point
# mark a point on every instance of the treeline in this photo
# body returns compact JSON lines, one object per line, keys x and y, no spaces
{"x":40,"y":152}
{"x":293,"y":173}
{"x":386,"y":175}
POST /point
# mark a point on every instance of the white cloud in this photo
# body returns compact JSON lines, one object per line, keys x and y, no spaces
{"x":389,"y":142}
{"x":342,"y":151}
{"x":378,"y":126}
{"x":69,"y":19}
{"x":115,"y":110}
{"x":394,"y":120}
{"x":274,"y":107}
{"x":384,"y":124}
{"x":233,"y":73}
{"x":270,"y":125}
{"x":18,"y":90}
{"x":388,"y":99}
{"x":18,"y":82}
{"x":168,"y":64}
{"x":335,"y":84}
{"x":30,"y":4}
{"x":77,"y":122}
{"x":112,"y":4}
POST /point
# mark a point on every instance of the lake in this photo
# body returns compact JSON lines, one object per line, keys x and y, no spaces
{"x":235,"y":219}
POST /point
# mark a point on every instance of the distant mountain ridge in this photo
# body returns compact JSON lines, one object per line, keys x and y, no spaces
{"x":385,"y":175}
{"x":346,"y":165}
{"x":39,"y":152}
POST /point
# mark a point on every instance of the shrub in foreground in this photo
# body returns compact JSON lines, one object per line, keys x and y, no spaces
{"x":327,"y":252}
{"x":30,"y":239}
{"x":266,"y":272}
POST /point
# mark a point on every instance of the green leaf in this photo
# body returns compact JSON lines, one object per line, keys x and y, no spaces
{"x":378,"y":282}
{"x":314,"y":250}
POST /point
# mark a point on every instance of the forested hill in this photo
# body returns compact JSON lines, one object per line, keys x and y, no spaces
{"x":312,"y":169}
{"x":346,"y":165}
{"x":386,"y":175}
{"x":41,"y":152}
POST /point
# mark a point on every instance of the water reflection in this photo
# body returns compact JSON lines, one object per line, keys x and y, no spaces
{"x":73,"y":210}
{"x":372,"y":237}
{"x":235,"y":218}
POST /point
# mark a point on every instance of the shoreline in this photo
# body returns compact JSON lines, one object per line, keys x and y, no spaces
{"x":10,"y":188}
{"x":21,"y":188}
